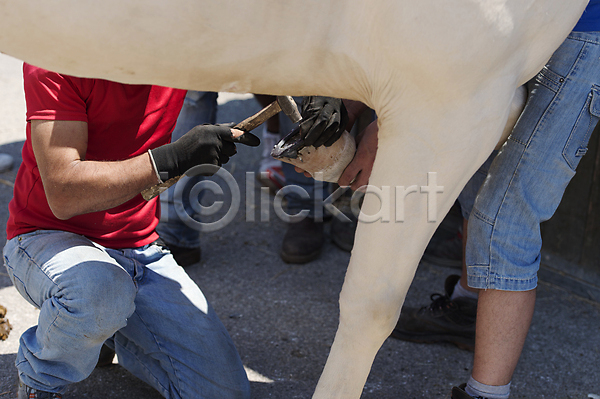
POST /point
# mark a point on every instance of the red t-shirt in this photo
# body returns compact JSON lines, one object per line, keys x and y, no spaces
{"x":123,"y":121}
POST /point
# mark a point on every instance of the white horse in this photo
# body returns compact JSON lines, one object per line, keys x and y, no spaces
{"x":441,"y":76}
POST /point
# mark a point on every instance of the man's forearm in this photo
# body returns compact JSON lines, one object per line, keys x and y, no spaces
{"x":74,"y":185}
{"x":91,"y":186}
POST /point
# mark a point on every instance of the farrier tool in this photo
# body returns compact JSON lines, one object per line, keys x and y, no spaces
{"x":282,"y":103}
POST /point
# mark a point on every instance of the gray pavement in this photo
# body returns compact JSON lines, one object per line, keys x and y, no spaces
{"x":283,"y":317}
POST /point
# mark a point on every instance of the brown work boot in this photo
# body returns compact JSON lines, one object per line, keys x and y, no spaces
{"x":302,"y":241}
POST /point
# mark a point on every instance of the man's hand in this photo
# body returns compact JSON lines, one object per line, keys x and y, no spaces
{"x":324,"y":119}
{"x":358,"y":171}
{"x":204,"y":144}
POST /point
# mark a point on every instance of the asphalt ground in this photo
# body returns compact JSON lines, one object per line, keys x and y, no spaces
{"x":283,"y":317}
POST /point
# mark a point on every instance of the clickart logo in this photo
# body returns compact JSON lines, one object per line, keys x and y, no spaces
{"x":211,"y":203}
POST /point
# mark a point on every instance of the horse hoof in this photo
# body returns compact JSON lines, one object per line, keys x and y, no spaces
{"x":323,"y":163}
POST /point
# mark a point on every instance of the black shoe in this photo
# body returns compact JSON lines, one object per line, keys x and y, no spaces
{"x":185,"y":256}
{"x":459,"y":393}
{"x":106,"y":357}
{"x":444,"y":320}
{"x":302,"y":241}
{"x":26,"y":392}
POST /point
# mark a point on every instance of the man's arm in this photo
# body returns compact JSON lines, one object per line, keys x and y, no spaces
{"x":76,"y":186}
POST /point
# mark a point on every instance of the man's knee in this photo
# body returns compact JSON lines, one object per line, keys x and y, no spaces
{"x":103,"y":294}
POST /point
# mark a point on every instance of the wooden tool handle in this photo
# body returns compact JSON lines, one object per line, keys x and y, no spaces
{"x":153,"y":191}
{"x":259,"y":118}
{"x":246,"y":125}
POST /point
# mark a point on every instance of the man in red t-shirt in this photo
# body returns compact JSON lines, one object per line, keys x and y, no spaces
{"x":82,"y":246}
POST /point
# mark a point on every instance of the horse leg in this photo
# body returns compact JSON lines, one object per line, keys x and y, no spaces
{"x":419,"y":172}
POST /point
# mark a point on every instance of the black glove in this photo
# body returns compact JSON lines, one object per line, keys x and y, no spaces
{"x":204,"y":144}
{"x":324,"y":119}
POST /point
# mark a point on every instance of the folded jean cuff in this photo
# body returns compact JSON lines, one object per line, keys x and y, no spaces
{"x":483,"y":280}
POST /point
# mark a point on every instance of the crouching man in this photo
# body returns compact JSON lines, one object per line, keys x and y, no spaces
{"x":82,"y":245}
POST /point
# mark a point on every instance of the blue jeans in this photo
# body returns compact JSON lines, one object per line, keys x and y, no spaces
{"x":528,"y":177}
{"x":138,"y":300}
{"x":198,"y":108}
{"x":467,"y":196}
